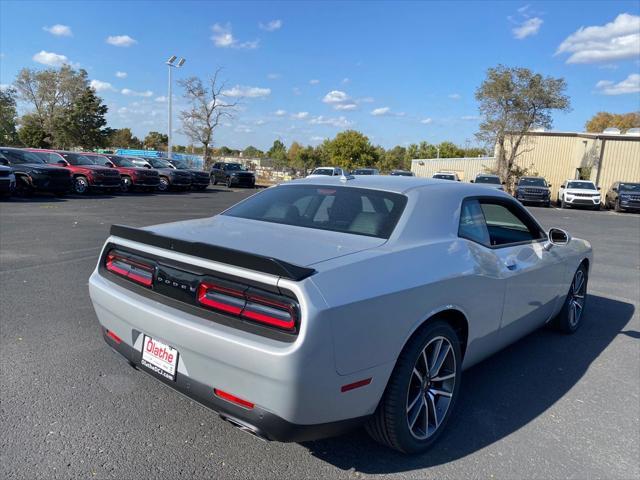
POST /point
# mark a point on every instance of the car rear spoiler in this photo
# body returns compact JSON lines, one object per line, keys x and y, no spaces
{"x":238,"y":258}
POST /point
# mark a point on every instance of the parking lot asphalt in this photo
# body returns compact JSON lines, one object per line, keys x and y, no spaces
{"x":549,"y":406}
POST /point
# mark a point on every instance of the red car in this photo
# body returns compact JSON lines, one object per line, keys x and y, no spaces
{"x":86,"y":174}
{"x":132,"y":176}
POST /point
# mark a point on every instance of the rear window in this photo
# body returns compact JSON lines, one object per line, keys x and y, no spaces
{"x":323,"y":171}
{"x":488,"y":179}
{"x":358,"y":211}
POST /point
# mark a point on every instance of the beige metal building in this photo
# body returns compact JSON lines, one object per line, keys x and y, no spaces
{"x":557,"y":156}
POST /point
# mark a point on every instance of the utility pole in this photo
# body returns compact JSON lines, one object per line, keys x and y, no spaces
{"x":171,"y":65}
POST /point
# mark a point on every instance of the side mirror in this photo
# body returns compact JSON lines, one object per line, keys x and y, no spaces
{"x":503,"y":183}
{"x":558,"y":237}
{"x":62,"y":163}
{"x":146,"y":165}
{"x":614,"y":189}
{"x":111,"y":165}
{"x":550,"y":185}
{"x":598,"y":188}
{"x":472,"y":181}
{"x":562,"y":186}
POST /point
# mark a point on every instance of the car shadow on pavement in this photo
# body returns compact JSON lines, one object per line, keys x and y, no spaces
{"x":498,"y":396}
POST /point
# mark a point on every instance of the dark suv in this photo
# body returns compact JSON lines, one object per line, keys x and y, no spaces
{"x":623,"y":196}
{"x":232,"y":174}
{"x":34,"y":175}
{"x":199,"y":178}
{"x":170,"y":176}
{"x":534,"y":190}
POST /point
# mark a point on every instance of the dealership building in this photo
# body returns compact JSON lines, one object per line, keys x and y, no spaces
{"x":603,"y":158}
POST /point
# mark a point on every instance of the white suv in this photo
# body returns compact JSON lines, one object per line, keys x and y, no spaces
{"x":447,"y":176}
{"x":327,"y":172}
{"x":582,"y":193}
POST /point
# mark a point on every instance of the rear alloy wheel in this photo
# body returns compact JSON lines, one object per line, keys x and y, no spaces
{"x":569,"y":318}
{"x":80,"y":185}
{"x":163,"y":186}
{"x":421,"y":392}
{"x":126,"y":184}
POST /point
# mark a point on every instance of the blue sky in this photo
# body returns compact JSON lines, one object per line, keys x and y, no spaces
{"x":399,"y":72}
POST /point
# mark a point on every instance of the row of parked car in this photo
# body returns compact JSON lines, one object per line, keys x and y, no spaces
{"x":26,"y":171}
{"x":621,"y":196}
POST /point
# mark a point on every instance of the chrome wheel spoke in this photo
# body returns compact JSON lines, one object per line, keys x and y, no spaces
{"x":442,"y":378}
{"x":417,"y":374}
{"x":416,"y":414}
{"x":436,"y":352}
{"x":414,"y":401}
{"x":432,"y":401}
{"x":441,"y":393}
{"x":440,"y":360}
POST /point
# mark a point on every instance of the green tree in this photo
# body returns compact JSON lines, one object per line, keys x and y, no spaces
{"x":350,"y":149}
{"x":278,"y":154}
{"x":449,"y":150}
{"x":623,"y":121}
{"x":124,"y":138}
{"x":512,"y":102}
{"x":293,"y":152}
{"x":31,"y":133}
{"x":83,"y":123}
{"x":8,"y":117}
{"x":156,"y":141}
{"x":50,"y":93}
{"x":252,"y":152}
{"x":394,"y":159}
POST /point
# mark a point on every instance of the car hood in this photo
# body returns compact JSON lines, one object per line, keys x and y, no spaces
{"x":297,"y":245}
{"x":581,"y":190}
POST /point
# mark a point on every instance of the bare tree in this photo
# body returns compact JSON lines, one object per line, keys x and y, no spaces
{"x":208,"y":107}
{"x":513,"y":101}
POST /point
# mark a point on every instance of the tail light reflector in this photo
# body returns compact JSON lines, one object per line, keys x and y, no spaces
{"x":136,"y":271}
{"x":113,"y":336}
{"x":233,"y":399}
{"x":268,"y":309}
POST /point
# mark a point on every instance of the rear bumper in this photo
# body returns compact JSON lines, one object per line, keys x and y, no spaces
{"x":295,"y":386}
{"x":257,"y":421}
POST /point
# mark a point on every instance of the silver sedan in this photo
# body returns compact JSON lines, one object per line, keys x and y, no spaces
{"x":331,"y":302}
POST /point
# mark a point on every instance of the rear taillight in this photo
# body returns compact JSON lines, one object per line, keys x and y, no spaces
{"x":268,"y":309}
{"x":134,"y":270}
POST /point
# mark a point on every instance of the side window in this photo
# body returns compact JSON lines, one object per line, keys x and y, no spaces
{"x":472,"y":224}
{"x":507,"y":225}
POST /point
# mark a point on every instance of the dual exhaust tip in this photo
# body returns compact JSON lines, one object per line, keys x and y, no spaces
{"x":243,"y":427}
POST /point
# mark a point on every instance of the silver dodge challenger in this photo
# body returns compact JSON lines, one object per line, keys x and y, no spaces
{"x":322,"y":304}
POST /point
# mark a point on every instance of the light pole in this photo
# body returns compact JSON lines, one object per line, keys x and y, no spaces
{"x":171,"y":65}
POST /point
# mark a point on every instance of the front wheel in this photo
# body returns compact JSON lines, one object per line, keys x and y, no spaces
{"x":563,"y":203}
{"x":228,"y":182}
{"x":163,"y":186}
{"x":214,"y":180}
{"x":617,"y":207}
{"x":421,"y":392}
{"x":570,"y":317}
{"x":81,"y":185}
{"x":125,"y":184}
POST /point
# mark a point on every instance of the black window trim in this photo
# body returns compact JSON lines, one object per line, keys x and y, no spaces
{"x":505,"y":202}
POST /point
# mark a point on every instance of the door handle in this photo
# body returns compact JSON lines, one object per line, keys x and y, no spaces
{"x":510,"y":263}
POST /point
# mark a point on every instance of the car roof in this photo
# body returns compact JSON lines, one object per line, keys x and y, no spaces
{"x":389,"y":183}
{"x":488,"y":175}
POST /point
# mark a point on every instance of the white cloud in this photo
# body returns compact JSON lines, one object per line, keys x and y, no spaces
{"x":346,"y":80}
{"x":161,"y":99}
{"x":339,"y":122}
{"x":280,"y":113}
{"x":296,"y":91}
{"x":59,"y":30}
{"x":300,"y":115}
{"x":100,"y":86}
{"x":314,"y":81}
{"x":455,"y":96}
{"x":249,"y":92}
{"x":335,"y":96}
{"x":51,"y":59}
{"x":271,"y":26}
{"x":345,"y":106}
{"x":527,"y":28}
{"x":366,"y":100}
{"x":223,"y":38}
{"x":121,"y":74}
{"x":470,"y":117}
{"x":273,"y":76}
{"x":378,"y":112}
{"x":426,"y":121}
{"x":631,"y":84}
{"x":243,"y":129}
{"x":260,"y":122}
{"x":121,"y":40}
{"x":316,"y":138}
{"x":132,"y":93}
{"x":616,"y":40}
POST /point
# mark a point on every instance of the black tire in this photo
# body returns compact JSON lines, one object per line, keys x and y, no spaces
{"x":562,"y":203}
{"x":80,"y":185}
{"x":565,"y":321}
{"x":23,"y":186}
{"x":389,"y":424}
{"x":597,"y":207}
{"x":126,"y":184}
{"x":164,"y":184}
{"x":214,"y":180}
{"x":228,"y":182}
{"x":617,"y":207}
